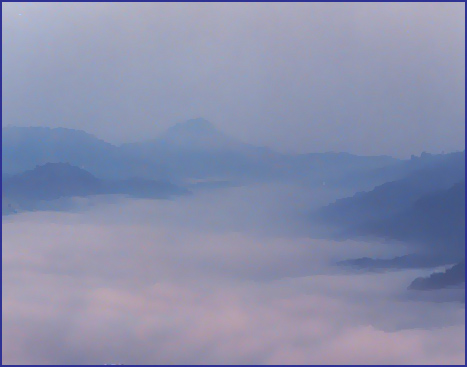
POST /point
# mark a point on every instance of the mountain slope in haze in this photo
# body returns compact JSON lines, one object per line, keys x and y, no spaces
{"x":393,"y":197}
{"x":24,"y":148}
{"x":452,"y":277}
{"x":192,"y":135}
{"x":197,"y":149}
{"x":194,"y":149}
{"x":54,"y":181}
{"x":425,"y":209}
{"x":51,"y":181}
{"x":434,"y":225}
{"x":335,"y":169}
{"x":436,"y":221}
{"x":368,"y":177}
{"x":197,"y":134}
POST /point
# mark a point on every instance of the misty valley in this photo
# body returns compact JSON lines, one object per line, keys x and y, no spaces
{"x":233,"y":183}
{"x":197,"y":226}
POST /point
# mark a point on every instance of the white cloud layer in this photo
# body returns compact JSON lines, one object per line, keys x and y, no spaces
{"x":187,"y":281}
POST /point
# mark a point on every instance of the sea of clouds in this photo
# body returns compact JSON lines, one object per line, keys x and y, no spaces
{"x":223,"y":276}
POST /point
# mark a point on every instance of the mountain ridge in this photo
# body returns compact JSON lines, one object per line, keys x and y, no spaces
{"x":54,"y":181}
{"x":192,"y":149}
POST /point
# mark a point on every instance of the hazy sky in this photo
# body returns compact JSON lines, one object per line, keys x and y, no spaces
{"x":364,"y":78}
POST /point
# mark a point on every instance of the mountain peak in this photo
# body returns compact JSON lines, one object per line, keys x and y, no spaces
{"x":194,"y":126}
{"x":51,"y":181}
{"x":196,"y":133}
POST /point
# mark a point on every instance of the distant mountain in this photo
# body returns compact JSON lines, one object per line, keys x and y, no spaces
{"x":197,"y":134}
{"x":53,"y":181}
{"x":197,"y":149}
{"x":24,"y":148}
{"x":393,"y":197}
{"x":337,"y":169}
{"x":436,"y":221}
{"x":436,"y":224}
{"x":194,"y":149}
{"x":369,"y":176}
{"x":426,"y":209}
{"x":451,"y":278}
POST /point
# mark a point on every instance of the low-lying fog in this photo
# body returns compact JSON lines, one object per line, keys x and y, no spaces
{"x":223,"y":276}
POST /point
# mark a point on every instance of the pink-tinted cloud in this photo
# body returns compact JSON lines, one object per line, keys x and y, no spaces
{"x":99,"y":287}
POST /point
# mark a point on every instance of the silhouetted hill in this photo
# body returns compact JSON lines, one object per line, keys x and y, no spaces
{"x":61,"y":180}
{"x":368,"y":177}
{"x":394,"y":197}
{"x":436,"y":224}
{"x":192,"y":149}
{"x":197,"y":134}
{"x":453,"y":277}
{"x":336,"y":169}
{"x":436,"y":221}
{"x":196,"y":149}
{"x":426,"y":209}
{"x":51,"y":181}
{"x":24,"y":148}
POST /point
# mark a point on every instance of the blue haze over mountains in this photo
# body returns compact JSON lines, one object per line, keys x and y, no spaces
{"x":420,"y":201}
{"x":233,"y":183}
{"x":425,"y":209}
{"x":191,"y":149}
